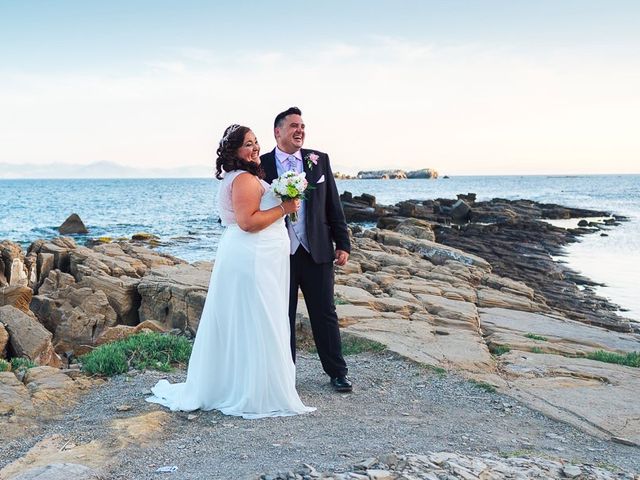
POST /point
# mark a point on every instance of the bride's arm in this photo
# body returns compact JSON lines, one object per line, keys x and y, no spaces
{"x":246,"y":194}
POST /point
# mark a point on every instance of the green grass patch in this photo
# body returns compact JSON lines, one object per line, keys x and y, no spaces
{"x":433,"y":368}
{"x":4,"y":366}
{"x":340,"y":301}
{"x":352,"y":345}
{"x":142,"y":351}
{"x":487,"y":387}
{"x":522,"y":453}
{"x":21,"y":363}
{"x":629,"y":359}
{"x":498,"y":350}
{"x":612,"y":467}
{"x":536,"y":350}
{"x":533,"y":336}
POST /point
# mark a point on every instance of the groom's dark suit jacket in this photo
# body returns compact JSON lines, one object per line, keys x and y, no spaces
{"x":325,"y":222}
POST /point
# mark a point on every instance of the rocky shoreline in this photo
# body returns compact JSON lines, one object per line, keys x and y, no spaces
{"x":514,"y":238}
{"x":469,"y":287}
{"x":446,"y":465}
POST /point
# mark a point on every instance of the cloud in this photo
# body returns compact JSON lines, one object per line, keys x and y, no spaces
{"x":171,"y":67}
{"x":380,"y":103}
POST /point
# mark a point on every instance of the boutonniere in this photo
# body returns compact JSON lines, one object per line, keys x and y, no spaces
{"x":311,"y":159}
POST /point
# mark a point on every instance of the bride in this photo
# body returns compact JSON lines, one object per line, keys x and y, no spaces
{"x":241,"y":360}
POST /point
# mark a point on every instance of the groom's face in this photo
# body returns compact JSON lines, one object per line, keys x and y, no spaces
{"x":290,"y":136}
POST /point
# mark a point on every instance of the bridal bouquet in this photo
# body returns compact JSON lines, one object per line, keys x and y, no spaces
{"x":290,"y":185}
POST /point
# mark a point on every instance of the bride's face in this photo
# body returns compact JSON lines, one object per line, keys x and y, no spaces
{"x":250,"y":149}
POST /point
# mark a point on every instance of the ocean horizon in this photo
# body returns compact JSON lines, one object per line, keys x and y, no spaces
{"x":183,"y":214}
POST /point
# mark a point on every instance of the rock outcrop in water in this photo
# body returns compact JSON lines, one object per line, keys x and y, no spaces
{"x":396,"y":174}
{"x":73,"y":224}
{"x":381,"y":174}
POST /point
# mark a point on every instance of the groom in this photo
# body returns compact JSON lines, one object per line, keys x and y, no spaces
{"x":320,"y":223}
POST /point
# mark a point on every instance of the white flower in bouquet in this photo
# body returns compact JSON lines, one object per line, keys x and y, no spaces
{"x":290,"y":185}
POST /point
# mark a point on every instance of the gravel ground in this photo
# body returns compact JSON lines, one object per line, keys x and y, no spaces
{"x":396,"y":406}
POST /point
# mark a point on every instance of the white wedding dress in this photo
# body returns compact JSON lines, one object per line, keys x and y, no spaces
{"x":241,"y":360}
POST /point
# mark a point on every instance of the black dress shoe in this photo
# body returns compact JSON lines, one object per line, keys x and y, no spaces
{"x":341,"y":384}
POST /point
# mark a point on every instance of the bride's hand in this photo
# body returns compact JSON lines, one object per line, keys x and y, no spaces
{"x":291,"y":206}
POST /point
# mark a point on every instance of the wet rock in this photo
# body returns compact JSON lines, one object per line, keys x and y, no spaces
{"x":144,"y":236}
{"x":362,"y":208}
{"x":460,"y":211}
{"x":73,"y":225}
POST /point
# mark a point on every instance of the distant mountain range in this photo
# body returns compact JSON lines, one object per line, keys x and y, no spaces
{"x":100,"y":170}
{"x":113,"y":170}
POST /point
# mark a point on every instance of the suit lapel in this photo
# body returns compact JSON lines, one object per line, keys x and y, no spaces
{"x":308,"y":208}
{"x":305,"y":167}
{"x":269,"y":166}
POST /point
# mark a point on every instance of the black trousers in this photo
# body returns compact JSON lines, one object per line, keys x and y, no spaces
{"x":316,"y":281}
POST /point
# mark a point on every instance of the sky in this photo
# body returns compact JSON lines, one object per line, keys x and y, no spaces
{"x":465,"y":87}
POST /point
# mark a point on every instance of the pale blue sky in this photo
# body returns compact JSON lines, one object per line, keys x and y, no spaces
{"x":462,"y":86}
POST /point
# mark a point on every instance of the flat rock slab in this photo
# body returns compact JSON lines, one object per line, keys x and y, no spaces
{"x":60,"y":471}
{"x":14,"y":396}
{"x":510,"y":327}
{"x":424,"y":342}
{"x":599,"y":397}
{"x":453,"y":309}
{"x":351,"y":314}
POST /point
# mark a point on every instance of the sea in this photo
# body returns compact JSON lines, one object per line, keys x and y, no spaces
{"x":182,"y":213}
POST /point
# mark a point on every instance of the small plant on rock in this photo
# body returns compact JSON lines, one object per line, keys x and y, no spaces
{"x":352,"y":345}
{"x":487,"y":387}
{"x":533,"y":336}
{"x":631,"y":359}
{"x":498,"y":350}
{"x":142,"y":351}
{"x":21,"y":363}
{"x":339,"y":301}
{"x":441,"y":372}
{"x":4,"y":366}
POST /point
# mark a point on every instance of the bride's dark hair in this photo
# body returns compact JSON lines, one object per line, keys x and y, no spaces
{"x":227,"y":153}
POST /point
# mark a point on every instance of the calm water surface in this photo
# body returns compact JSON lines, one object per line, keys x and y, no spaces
{"x":182,"y":212}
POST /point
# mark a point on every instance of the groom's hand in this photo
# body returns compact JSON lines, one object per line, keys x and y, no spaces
{"x":341,"y":257}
